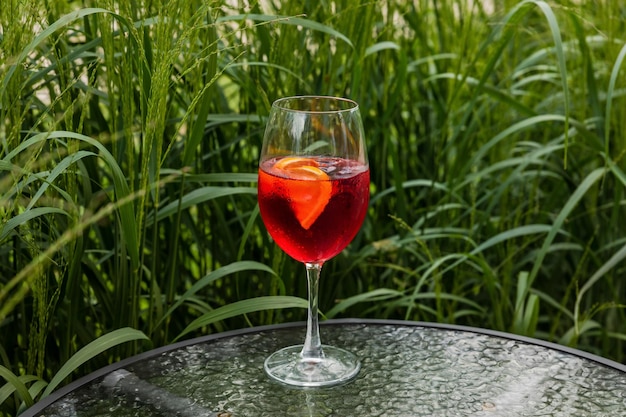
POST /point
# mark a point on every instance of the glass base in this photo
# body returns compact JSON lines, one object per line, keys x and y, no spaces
{"x":337,"y":366}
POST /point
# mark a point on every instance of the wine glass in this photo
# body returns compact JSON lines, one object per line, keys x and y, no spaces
{"x":313,"y":193}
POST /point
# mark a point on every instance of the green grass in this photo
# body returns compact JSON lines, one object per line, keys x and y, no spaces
{"x":129,"y":137}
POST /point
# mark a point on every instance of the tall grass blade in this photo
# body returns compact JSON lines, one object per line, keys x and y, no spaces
{"x":610,"y":96}
{"x":287,"y":20}
{"x":244,"y":307}
{"x":93,"y":349}
{"x":590,"y":180}
{"x":377,"y":295}
{"x":199,"y":196}
{"x":26,"y":216}
{"x":14,"y":384}
{"x":617,"y":258}
{"x":213,"y":276}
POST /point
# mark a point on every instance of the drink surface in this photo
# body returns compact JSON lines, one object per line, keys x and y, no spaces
{"x":313,"y":207}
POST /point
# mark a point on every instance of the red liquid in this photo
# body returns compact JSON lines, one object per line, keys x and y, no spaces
{"x":339,"y":220}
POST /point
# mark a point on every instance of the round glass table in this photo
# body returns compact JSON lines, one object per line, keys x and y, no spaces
{"x":408,"y":369}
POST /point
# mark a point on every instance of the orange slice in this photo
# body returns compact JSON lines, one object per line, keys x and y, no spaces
{"x":292,"y":162}
{"x":309,"y":192}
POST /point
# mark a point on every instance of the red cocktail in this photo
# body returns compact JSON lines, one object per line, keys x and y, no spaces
{"x":313,"y":207}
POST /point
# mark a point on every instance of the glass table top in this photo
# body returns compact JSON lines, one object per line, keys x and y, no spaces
{"x":408,"y":369}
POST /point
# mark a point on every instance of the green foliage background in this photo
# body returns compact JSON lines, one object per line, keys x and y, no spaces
{"x":129,"y":136}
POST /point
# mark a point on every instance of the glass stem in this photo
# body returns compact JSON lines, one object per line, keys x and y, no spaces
{"x":312,"y":348}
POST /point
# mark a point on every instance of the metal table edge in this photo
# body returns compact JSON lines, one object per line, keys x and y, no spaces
{"x":41,"y":405}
